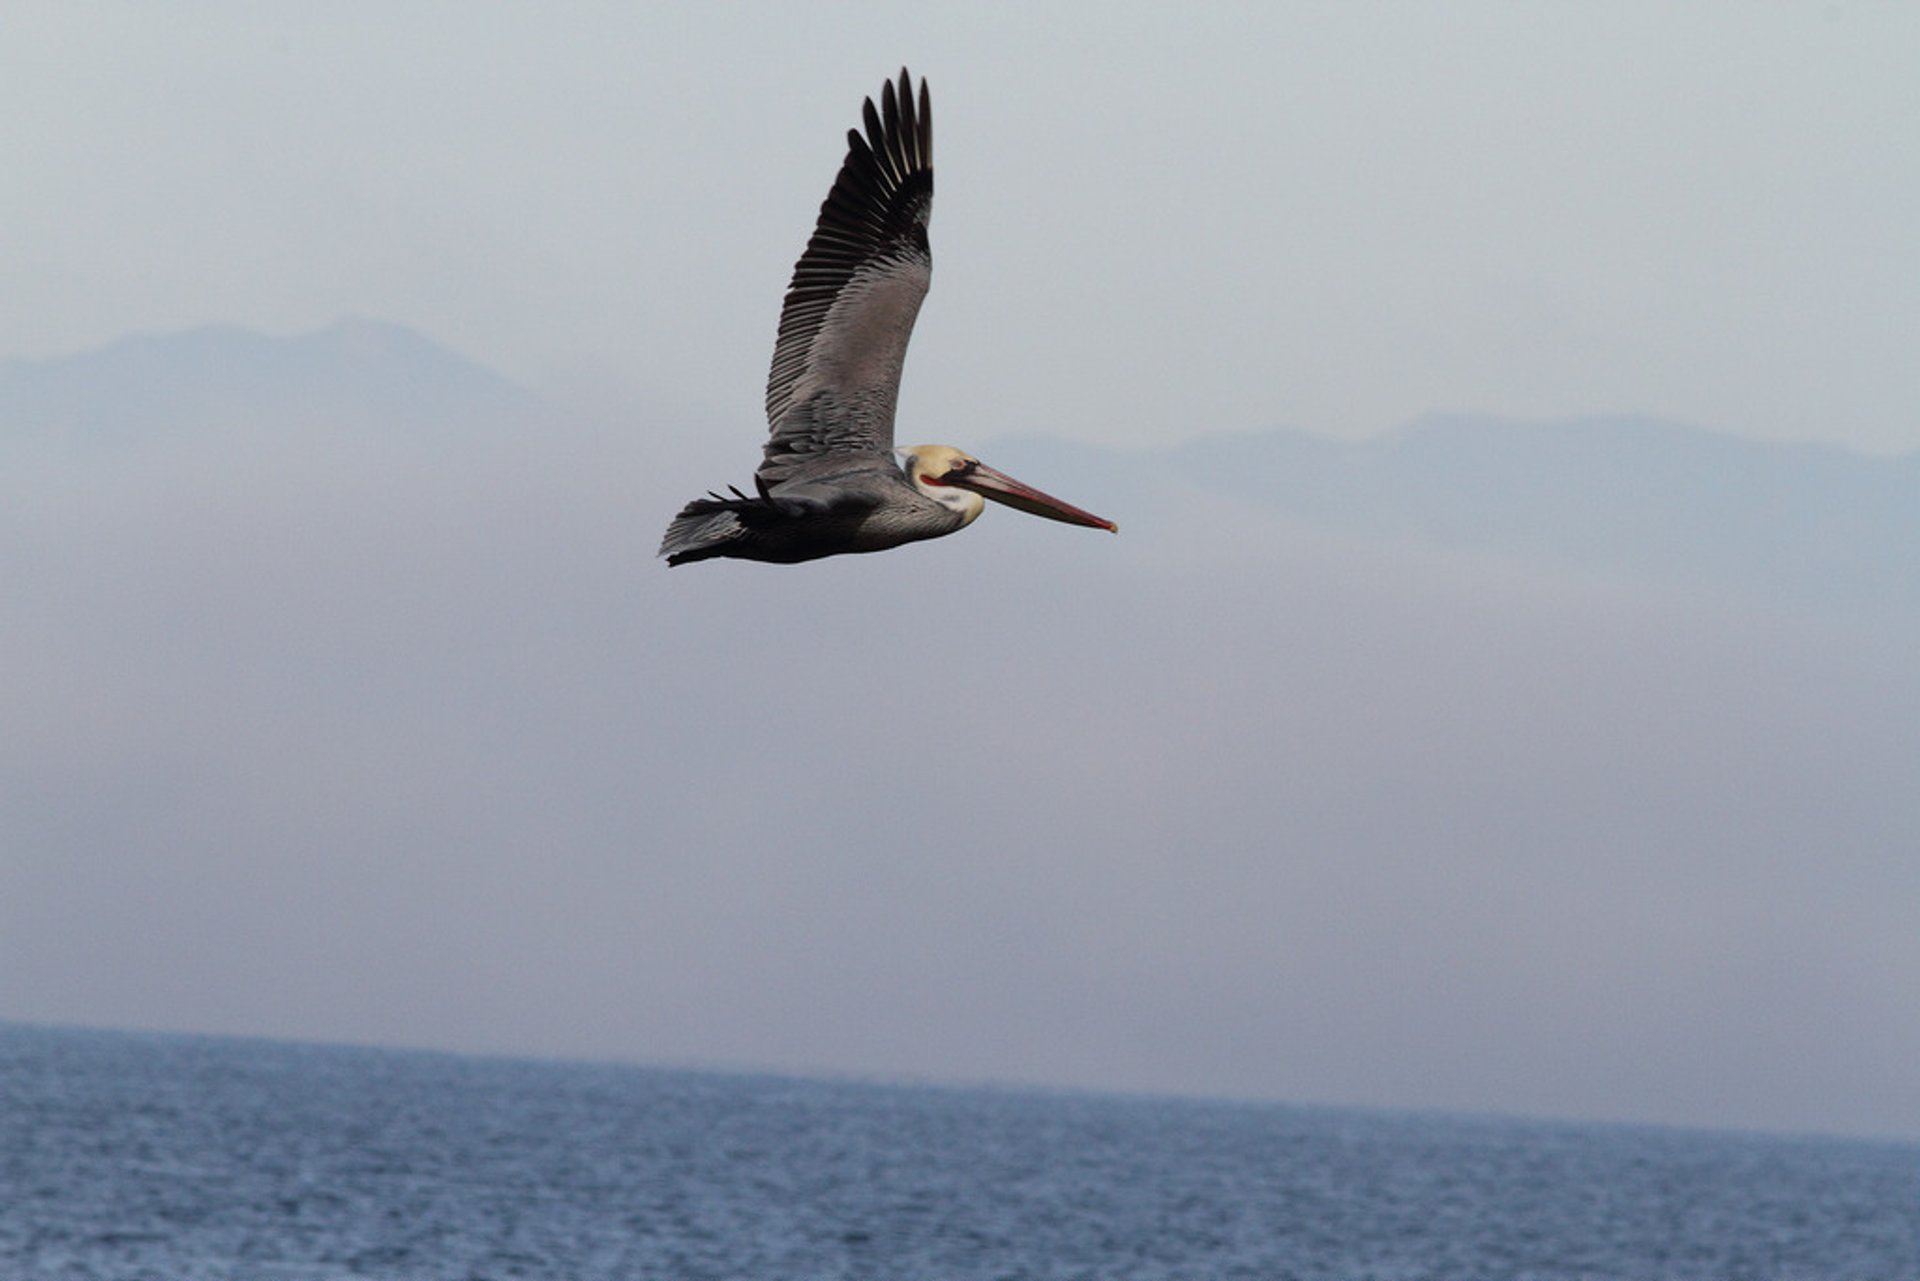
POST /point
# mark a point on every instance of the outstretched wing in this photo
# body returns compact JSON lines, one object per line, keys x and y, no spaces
{"x":855,"y":293}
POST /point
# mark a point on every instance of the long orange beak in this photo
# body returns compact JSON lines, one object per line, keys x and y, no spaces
{"x":1002,"y":488}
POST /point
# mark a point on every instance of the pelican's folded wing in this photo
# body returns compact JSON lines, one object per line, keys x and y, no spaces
{"x":855,"y":293}
{"x":832,"y":484}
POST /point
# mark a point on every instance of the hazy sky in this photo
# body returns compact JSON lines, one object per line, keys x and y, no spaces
{"x":333,"y":709}
{"x":389,"y":728}
{"x":1152,"y":220}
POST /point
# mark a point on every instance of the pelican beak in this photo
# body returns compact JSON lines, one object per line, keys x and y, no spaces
{"x":1002,"y":488}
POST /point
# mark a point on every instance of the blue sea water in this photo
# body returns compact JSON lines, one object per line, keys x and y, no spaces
{"x":177,"y":1158}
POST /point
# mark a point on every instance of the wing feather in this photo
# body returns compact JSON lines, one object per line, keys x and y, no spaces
{"x":855,"y":293}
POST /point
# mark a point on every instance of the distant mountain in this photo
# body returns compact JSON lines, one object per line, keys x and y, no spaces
{"x":360,"y":373}
{"x":336,"y":703}
{"x":1628,"y":497}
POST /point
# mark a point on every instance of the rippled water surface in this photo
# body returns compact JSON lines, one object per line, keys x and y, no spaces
{"x":138,"y":1156}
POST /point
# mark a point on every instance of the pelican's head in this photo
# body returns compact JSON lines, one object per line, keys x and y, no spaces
{"x":958,"y":481}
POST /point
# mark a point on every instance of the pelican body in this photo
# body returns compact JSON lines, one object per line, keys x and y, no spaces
{"x":831,"y":481}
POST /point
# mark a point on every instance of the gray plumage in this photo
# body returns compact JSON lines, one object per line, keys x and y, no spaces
{"x":829,"y":482}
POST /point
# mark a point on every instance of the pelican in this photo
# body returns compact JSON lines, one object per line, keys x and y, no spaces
{"x":831,"y":480}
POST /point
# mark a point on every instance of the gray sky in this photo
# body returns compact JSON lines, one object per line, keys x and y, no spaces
{"x":384,"y":726}
{"x":397,"y":735}
{"x":1152,"y":220}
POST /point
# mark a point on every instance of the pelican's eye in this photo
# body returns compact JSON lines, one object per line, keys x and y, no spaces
{"x":960,"y":469}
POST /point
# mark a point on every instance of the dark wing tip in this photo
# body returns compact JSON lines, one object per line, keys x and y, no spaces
{"x":909,"y":124}
{"x":926,"y":121}
{"x":876,"y":210}
{"x":876,"y":133}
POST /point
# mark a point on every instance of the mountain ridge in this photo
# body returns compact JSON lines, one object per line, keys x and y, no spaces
{"x":1613,"y":496}
{"x":354,"y":370}
{"x":1623,"y":496}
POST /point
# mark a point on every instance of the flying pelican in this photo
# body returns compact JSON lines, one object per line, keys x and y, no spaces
{"x":832,"y":481}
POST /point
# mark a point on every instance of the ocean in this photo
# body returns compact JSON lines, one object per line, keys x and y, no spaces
{"x":179,"y":1158}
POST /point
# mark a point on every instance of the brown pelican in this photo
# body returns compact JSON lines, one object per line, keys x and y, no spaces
{"x":832,"y":481}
